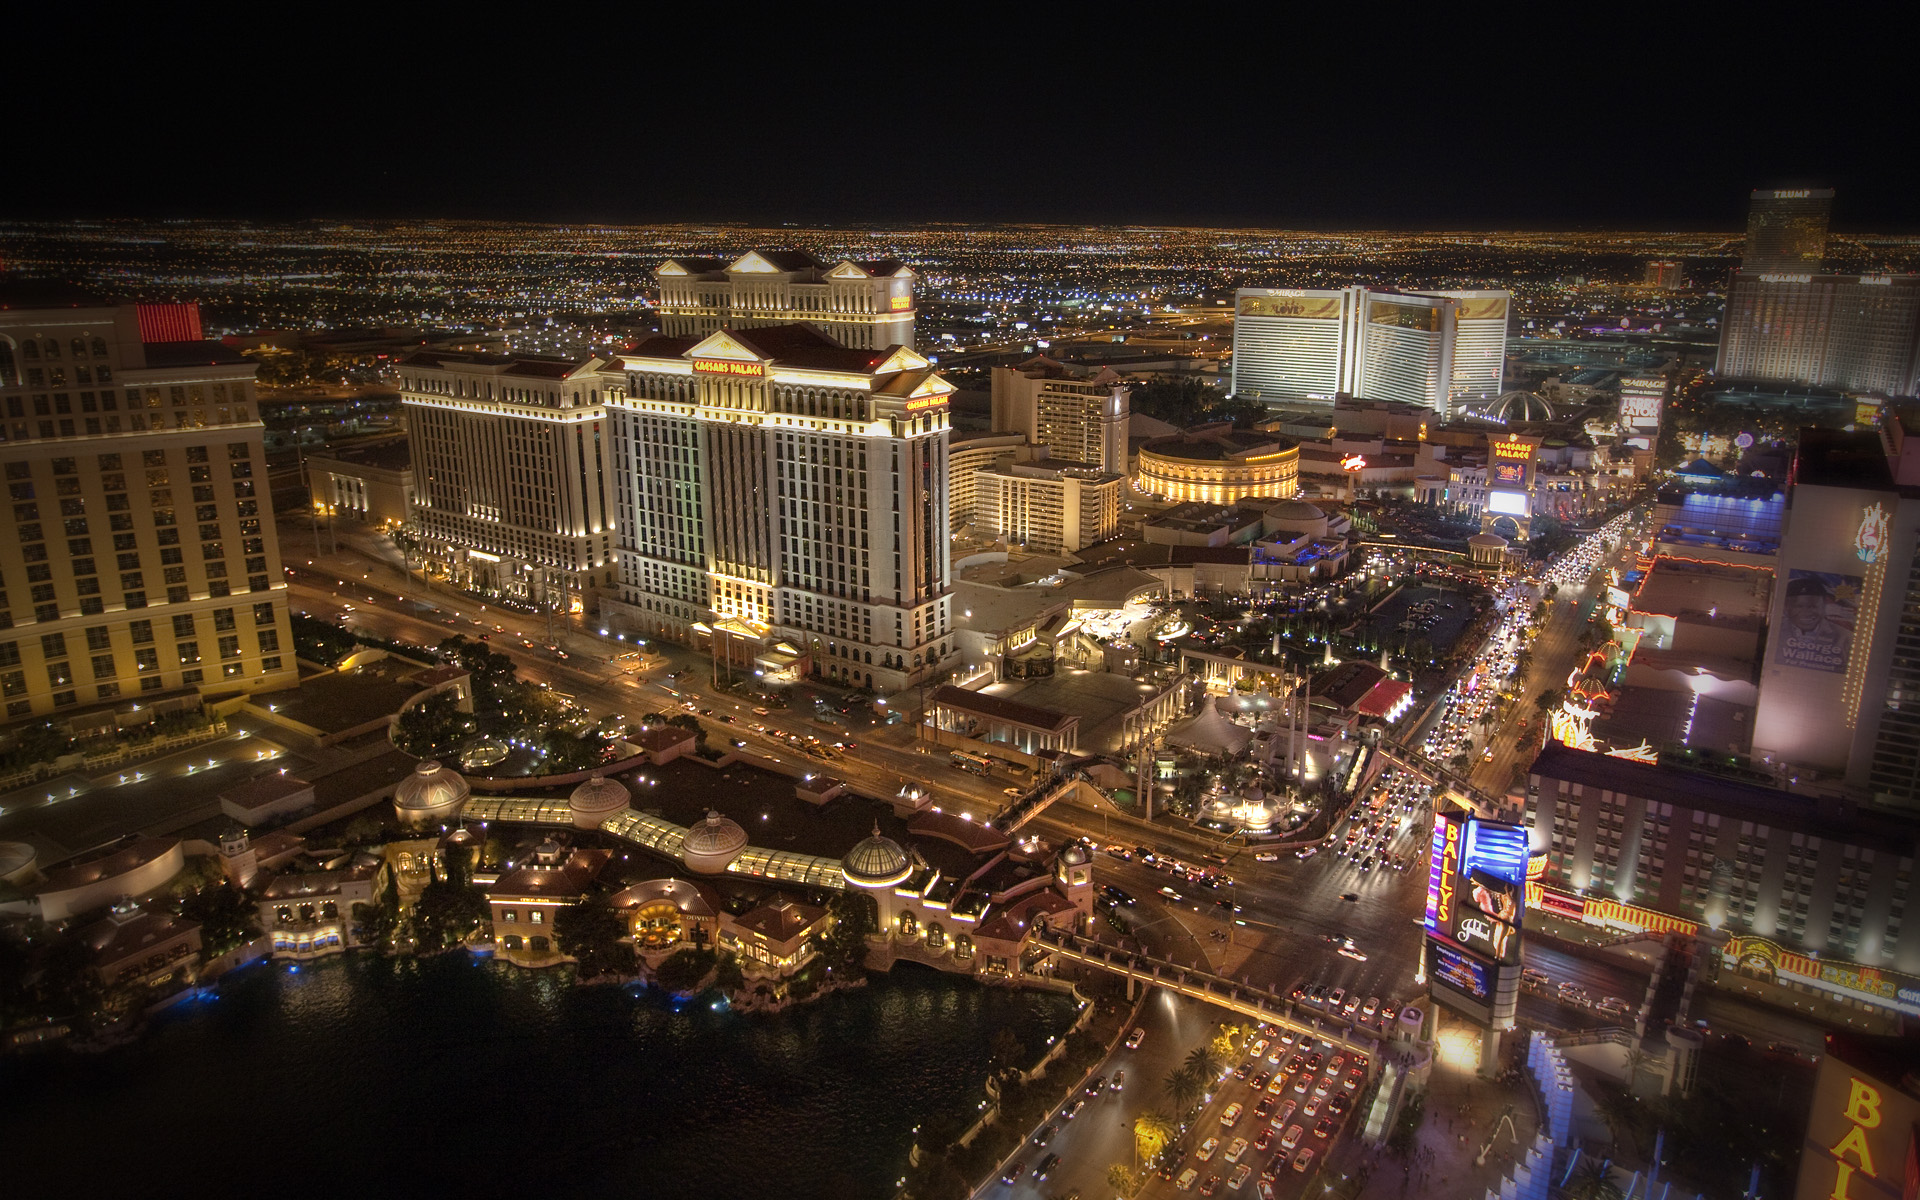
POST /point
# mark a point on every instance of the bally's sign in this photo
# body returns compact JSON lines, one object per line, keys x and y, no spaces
{"x":727,"y":366}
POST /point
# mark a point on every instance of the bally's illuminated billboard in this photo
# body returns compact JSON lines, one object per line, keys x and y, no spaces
{"x":1863,"y":1130}
{"x":1476,"y":882}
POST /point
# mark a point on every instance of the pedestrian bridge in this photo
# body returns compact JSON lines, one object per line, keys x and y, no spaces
{"x":1031,"y":805}
{"x":1408,"y":759}
{"x":1240,"y":997}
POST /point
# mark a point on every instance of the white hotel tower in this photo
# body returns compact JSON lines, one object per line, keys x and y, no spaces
{"x":867,"y":304}
{"x":782,"y":499}
{"x":1436,"y":349}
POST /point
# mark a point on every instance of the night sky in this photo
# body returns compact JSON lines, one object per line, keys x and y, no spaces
{"x":1613,"y":116}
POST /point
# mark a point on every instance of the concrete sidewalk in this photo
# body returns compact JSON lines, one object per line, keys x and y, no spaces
{"x":1462,"y":1113}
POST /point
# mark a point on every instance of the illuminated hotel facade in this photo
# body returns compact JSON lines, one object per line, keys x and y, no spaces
{"x":776,"y":488}
{"x":511,"y":495}
{"x":866,"y":304}
{"x":1856,"y":332}
{"x":1306,"y":346}
{"x":1081,"y":420}
{"x":141,"y":565}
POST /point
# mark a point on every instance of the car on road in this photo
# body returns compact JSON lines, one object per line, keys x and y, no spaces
{"x":1045,"y":1133}
{"x":1291,"y":1137}
{"x":1297,"y":1063}
{"x":1097,"y":1085}
{"x":1338,"y":1104}
{"x":1009,"y":791}
{"x":1311,"y":1108}
{"x":1119,"y":1080}
{"x":1259,"y":1081}
{"x":1013,"y":1173}
{"x":1187,"y":1178}
{"x":1207,"y":1148}
{"x":1240,"y":1174}
{"x":1264,"y":1109}
{"x":1353,"y":1079}
{"x":1072,"y":1110}
{"x":1231,"y":1116}
{"x":1303,"y":1160}
{"x":1350,"y":952}
{"x":1046,"y":1167}
{"x":1235,"y":1150}
{"x":1266,"y":856}
{"x":1211,"y":1186}
{"x":1326,"y":1127}
{"x":1169,"y":892}
{"x":1285,"y":1114}
{"x":1138,"y":1035}
{"x":1266,"y":1187}
{"x":1264,"y":1138}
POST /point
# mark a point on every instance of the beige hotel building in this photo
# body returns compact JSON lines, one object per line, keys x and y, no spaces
{"x":510,"y":490}
{"x":141,"y":563}
{"x":867,"y":305}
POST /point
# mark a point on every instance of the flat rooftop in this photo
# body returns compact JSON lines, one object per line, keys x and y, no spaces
{"x":342,"y":699}
{"x":1721,"y":591}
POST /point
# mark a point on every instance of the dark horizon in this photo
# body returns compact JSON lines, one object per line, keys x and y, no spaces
{"x":1545,"y":124}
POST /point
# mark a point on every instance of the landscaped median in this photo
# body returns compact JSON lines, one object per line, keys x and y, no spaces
{"x":948,"y":1163}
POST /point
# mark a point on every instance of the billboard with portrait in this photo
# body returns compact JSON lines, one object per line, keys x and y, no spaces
{"x":1509,"y":474}
{"x":1817,"y":633}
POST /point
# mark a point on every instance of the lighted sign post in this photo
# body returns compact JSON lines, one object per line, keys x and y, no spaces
{"x":1476,"y":891}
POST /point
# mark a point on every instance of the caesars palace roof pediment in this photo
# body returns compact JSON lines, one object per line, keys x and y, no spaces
{"x":723,"y":345}
{"x":751,"y":263}
{"x":901,"y":359}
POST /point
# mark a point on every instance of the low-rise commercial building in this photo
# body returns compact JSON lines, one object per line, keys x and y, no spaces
{"x":372,"y":483}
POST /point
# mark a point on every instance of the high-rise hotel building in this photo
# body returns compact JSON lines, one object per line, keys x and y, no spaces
{"x":511,"y":490}
{"x":1856,"y":332}
{"x":867,"y":304}
{"x":1787,"y":229}
{"x":1789,"y":321}
{"x":1083,"y":420}
{"x":774,"y":486}
{"x":1840,"y":687}
{"x":141,"y":563}
{"x":1439,"y":350}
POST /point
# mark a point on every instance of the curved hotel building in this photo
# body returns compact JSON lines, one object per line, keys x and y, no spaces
{"x":1219,"y":466}
{"x":1305,"y":346}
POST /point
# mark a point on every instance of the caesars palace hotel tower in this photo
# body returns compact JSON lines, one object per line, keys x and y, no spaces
{"x":781,"y":498}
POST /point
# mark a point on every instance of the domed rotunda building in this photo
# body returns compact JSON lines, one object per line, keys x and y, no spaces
{"x":596,"y":799}
{"x":712,"y":844}
{"x":877,"y":862}
{"x":433,"y":794}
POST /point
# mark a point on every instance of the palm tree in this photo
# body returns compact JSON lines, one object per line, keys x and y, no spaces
{"x":1184,"y":1088}
{"x":1593,"y":1180}
{"x":1151,"y":1132}
{"x":1122,"y":1180}
{"x":1204,"y":1062}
